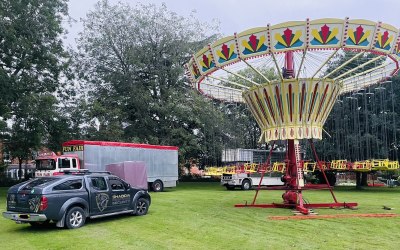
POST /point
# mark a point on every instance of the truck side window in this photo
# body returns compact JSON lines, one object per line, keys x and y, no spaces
{"x":98,"y":183}
{"x":74,"y":163}
{"x":116,"y":184}
{"x":69,"y":185}
{"x":64,"y":163}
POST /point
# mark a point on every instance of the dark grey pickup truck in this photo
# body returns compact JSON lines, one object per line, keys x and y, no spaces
{"x":69,"y":199}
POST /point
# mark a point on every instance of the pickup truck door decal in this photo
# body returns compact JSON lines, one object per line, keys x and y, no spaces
{"x":102,"y":201}
{"x":100,"y":195}
{"x":120,"y":197}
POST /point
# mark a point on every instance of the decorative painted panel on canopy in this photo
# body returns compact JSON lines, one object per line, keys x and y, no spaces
{"x":224,"y":51}
{"x":385,"y":38}
{"x":205,"y":61}
{"x":193,"y":71}
{"x":252,"y":42}
{"x":326,"y":33}
{"x":360,"y":34}
{"x":288,"y":36}
{"x":396,"y":51}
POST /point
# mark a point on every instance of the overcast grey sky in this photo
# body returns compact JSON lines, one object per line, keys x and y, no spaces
{"x":239,"y":15}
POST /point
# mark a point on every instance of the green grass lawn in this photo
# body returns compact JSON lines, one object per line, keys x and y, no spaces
{"x":202,"y":216}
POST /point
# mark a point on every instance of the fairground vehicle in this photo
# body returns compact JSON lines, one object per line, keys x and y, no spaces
{"x":247,"y":180}
{"x":161,"y":161}
{"x":249,"y":175}
{"x":69,"y":199}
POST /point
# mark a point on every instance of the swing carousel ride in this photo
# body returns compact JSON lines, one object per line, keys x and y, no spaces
{"x":295,"y":102}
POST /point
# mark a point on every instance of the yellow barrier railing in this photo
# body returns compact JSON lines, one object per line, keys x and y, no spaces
{"x":279,"y":167}
{"x":339,"y":165}
{"x":230,"y":170}
{"x":362,"y":166}
{"x":393,"y":165}
{"x":250,"y":167}
{"x":379,"y":164}
{"x":309,"y":167}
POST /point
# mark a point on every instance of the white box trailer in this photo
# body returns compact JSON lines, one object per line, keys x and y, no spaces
{"x":161,"y":161}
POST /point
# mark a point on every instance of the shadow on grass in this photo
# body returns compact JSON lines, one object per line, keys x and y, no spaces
{"x":26,"y":228}
{"x":117,"y":218}
{"x":166,"y":190}
{"x":368,"y":189}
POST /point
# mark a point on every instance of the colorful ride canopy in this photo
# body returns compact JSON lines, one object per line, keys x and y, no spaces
{"x":296,"y":108}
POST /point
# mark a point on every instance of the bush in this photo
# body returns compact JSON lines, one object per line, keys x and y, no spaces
{"x":7,"y":182}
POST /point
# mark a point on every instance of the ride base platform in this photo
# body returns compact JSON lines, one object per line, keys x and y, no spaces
{"x":350,"y":205}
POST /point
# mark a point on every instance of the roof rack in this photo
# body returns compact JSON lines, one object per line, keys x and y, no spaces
{"x":84,"y":172}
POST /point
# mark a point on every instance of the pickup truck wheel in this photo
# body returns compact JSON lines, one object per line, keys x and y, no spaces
{"x":246,"y":185}
{"x":75,"y":218}
{"x":157,"y":186}
{"x":142,"y":206}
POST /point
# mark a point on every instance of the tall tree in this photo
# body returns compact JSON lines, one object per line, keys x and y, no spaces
{"x":362,"y":124}
{"x":32,"y":62}
{"x":131,"y":59}
{"x":31,"y":51}
{"x":243,"y":129}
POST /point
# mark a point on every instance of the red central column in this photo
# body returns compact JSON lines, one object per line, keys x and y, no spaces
{"x":289,"y":73}
{"x":289,"y":65}
{"x":292,"y":168}
{"x":294,"y":174}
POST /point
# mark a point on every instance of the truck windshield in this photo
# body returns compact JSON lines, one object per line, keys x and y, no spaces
{"x":46,"y":164}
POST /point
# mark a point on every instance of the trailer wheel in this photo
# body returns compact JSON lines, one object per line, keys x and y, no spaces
{"x":246,"y":184}
{"x":157,"y":186}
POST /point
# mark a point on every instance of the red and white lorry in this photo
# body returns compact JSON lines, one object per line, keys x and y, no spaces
{"x":161,"y":161}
